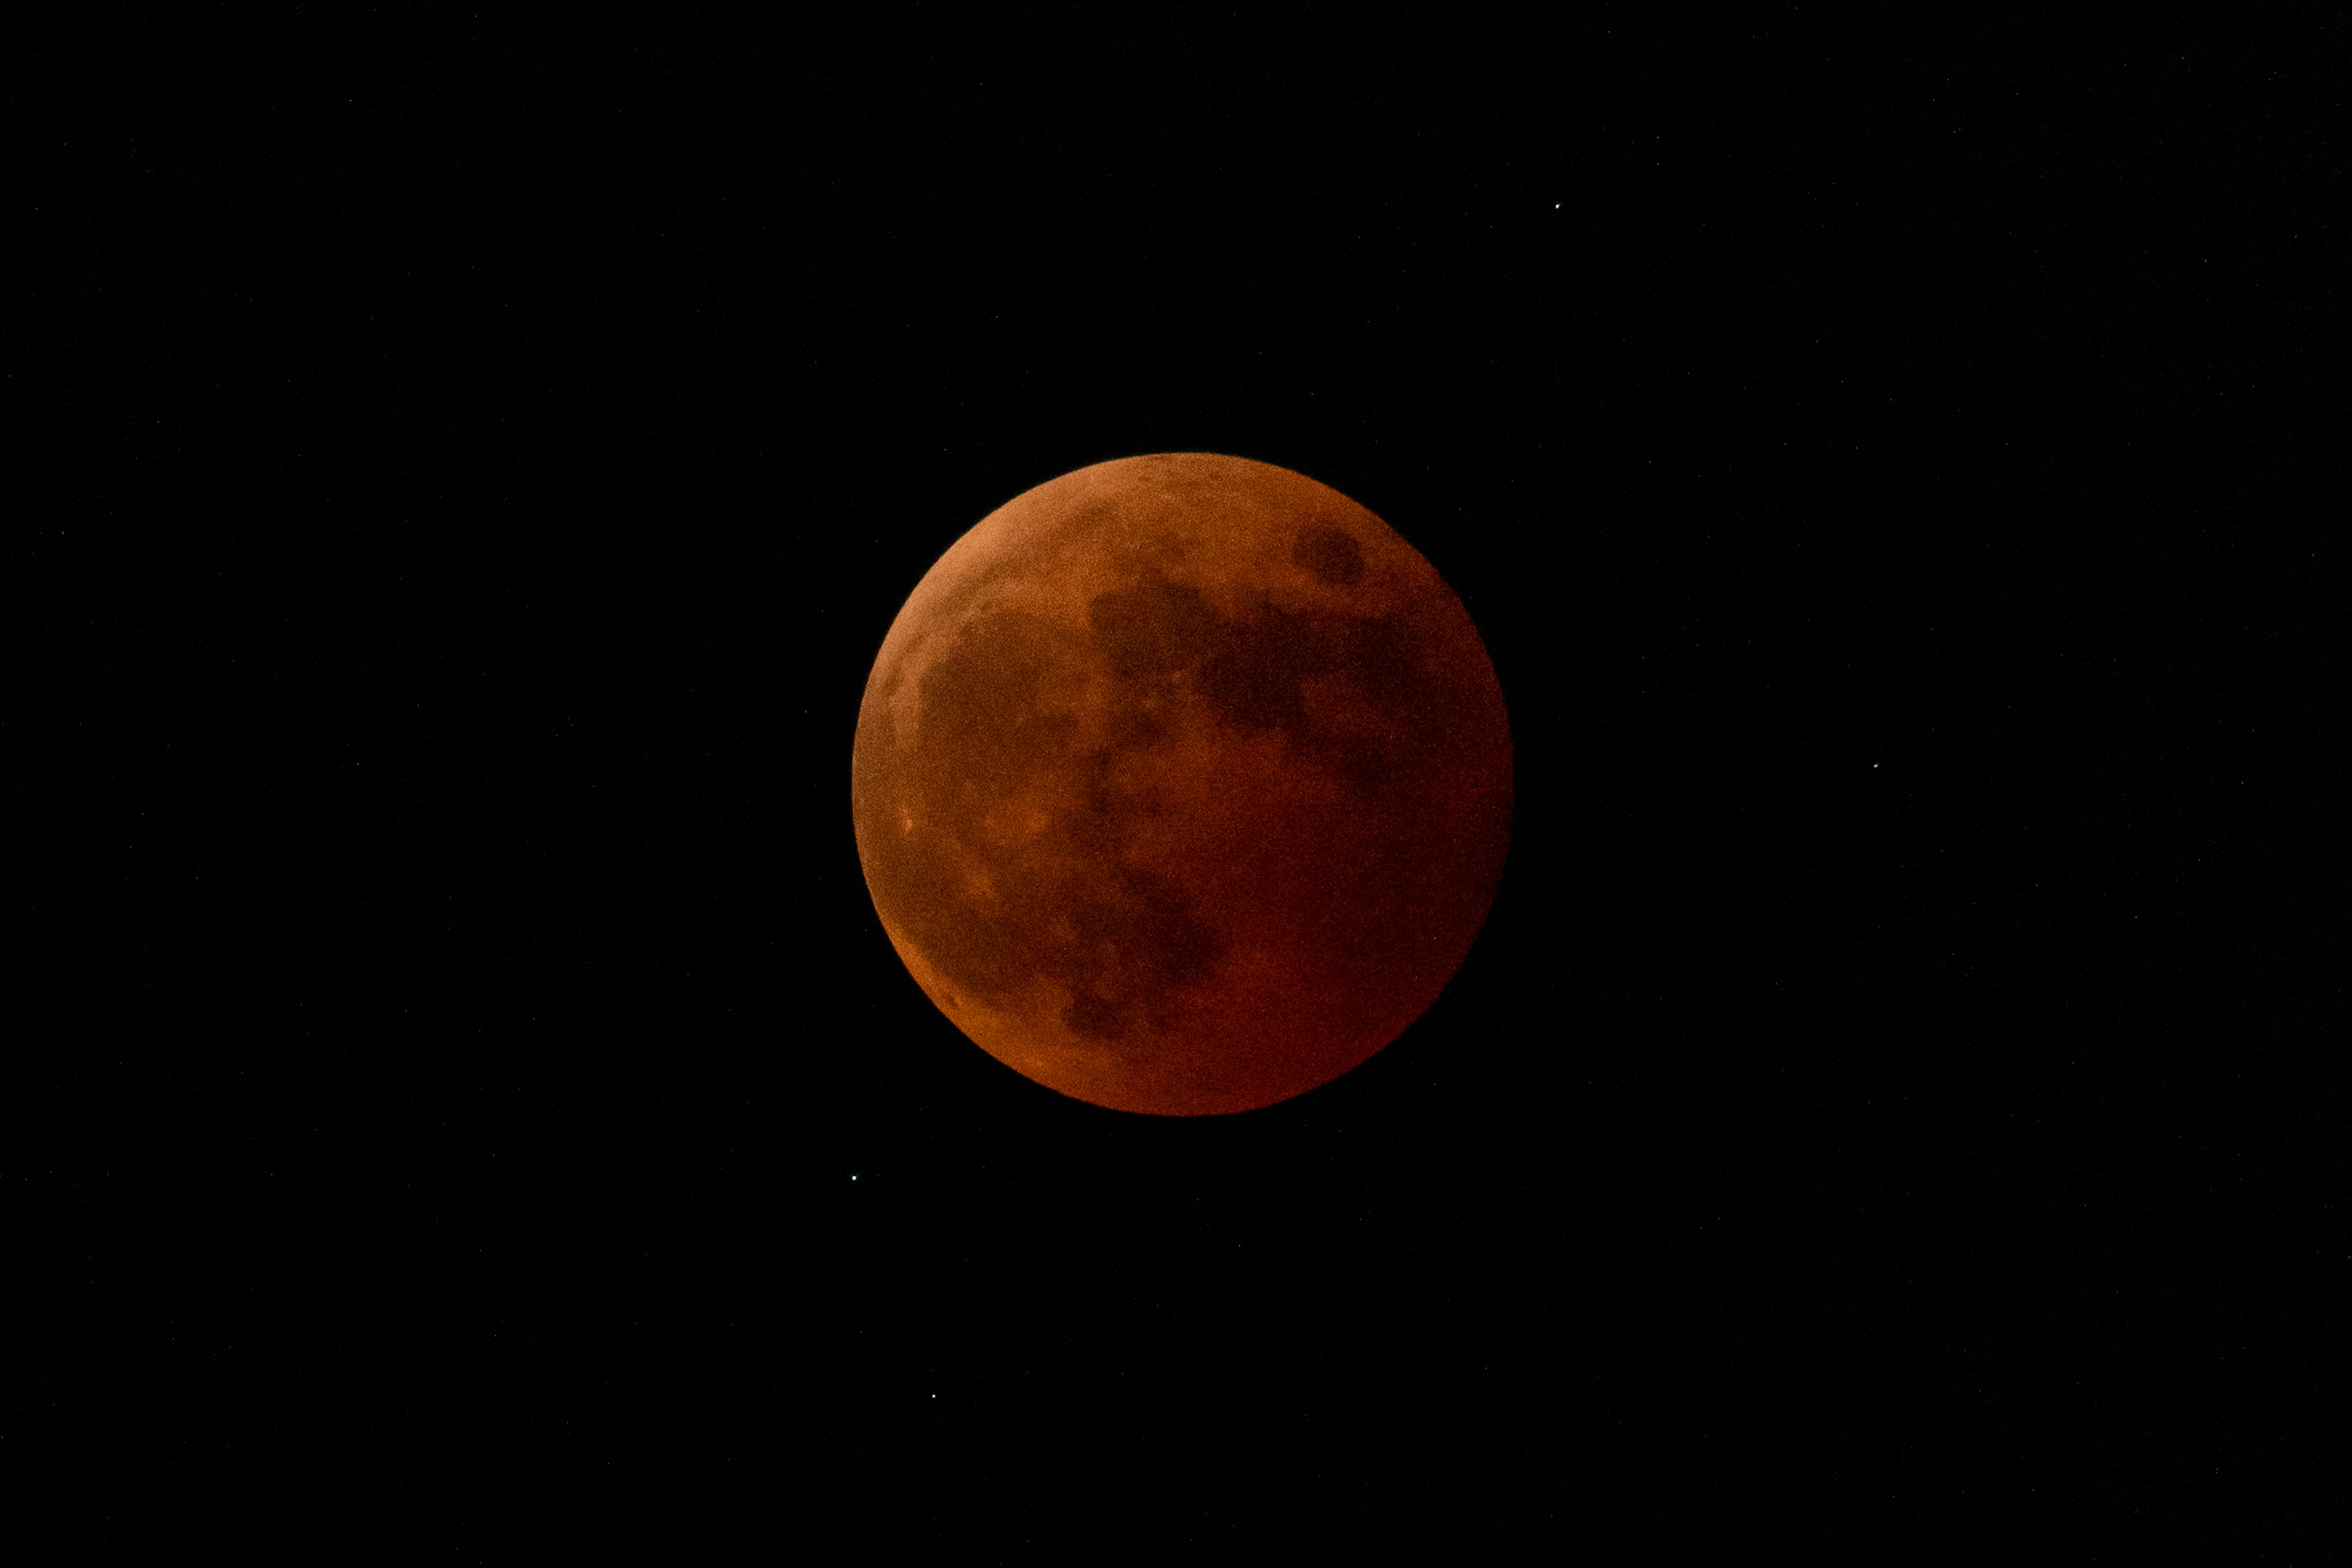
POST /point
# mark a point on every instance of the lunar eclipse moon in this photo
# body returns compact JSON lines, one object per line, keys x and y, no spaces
{"x":1182,"y":783}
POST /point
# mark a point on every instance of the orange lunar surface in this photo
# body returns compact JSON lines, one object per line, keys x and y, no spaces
{"x":1182,"y":783}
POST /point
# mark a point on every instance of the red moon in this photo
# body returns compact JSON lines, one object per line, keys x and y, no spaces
{"x":1182,"y":783}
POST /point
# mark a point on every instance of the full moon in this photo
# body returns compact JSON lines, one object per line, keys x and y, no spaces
{"x":1182,"y":783}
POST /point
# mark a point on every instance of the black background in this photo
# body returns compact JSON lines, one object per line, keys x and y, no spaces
{"x":1896,"y":1102}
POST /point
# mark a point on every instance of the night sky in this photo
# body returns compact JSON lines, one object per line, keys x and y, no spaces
{"x":1896,"y":1106}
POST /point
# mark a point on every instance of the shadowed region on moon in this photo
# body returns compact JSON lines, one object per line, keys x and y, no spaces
{"x":1181,"y":783}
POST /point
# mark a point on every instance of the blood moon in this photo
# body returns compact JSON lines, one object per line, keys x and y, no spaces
{"x":1182,"y":783}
